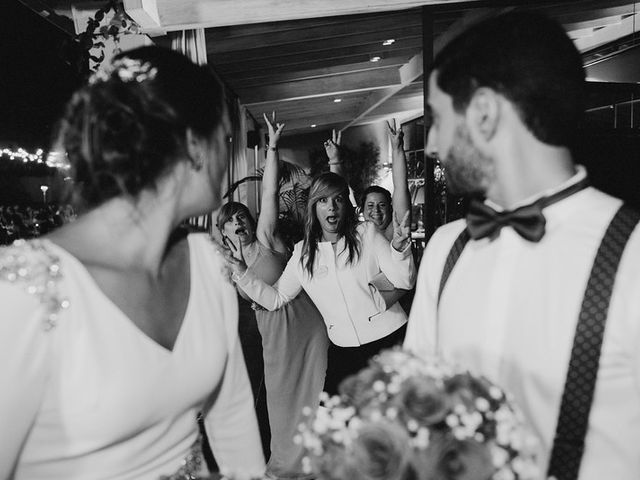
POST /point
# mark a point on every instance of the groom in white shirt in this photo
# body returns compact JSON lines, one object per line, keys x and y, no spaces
{"x":506,"y":98}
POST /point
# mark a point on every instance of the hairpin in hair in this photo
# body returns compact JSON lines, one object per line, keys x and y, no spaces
{"x":126,"y":70}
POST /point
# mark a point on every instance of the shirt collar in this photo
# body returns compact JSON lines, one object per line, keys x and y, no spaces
{"x":581,"y":174}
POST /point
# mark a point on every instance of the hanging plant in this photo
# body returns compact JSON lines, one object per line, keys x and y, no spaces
{"x":79,"y":51}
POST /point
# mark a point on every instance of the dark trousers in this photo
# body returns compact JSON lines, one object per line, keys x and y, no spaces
{"x":343,"y":362}
{"x":251,"y":342}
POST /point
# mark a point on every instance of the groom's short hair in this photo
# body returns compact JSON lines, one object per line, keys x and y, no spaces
{"x":526,"y":57}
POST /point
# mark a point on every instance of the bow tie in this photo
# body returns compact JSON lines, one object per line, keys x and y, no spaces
{"x":528,"y":221}
{"x":483,"y":221}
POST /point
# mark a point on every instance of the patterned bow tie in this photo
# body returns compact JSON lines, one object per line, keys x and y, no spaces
{"x":528,"y":221}
{"x":483,"y":221}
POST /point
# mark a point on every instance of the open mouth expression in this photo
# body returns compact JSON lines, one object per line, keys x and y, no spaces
{"x":239,"y":228}
{"x":330,"y":212}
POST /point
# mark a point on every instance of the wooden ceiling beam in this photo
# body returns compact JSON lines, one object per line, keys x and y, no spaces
{"x":399,"y":103}
{"x":375,"y":100}
{"x":569,"y":13}
{"x":321,"y":87}
{"x":325,"y":122}
{"x":317,"y":108}
{"x":144,"y":13}
{"x":239,"y":70}
{"x":220,"y":41}
{"x":268,"y":76}
{"x":593,"y":23}
{"x":187,"y":14}
{"x":372,"y":42}
{"x":358,"y":53}
{"x":325,"y":55}
{"x":365,"y":22}
{"x":401,"y":115}
{"x":610,"y":33}
{"x":321,"y":121}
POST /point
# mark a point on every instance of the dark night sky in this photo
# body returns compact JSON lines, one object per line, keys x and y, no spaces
{"x":35,"y":82}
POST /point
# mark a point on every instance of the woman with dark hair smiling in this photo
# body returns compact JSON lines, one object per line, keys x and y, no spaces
{"x":334,"y":264}
{"x":293,"y":360}
{"x":377,"y":204}
{"x":119,"y":328}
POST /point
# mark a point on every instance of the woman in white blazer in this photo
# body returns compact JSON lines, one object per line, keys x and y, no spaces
{"x":334,"y":264}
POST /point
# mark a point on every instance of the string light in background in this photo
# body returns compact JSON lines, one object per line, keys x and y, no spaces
{"x":22,"y":154}
{"x":54,"y":159}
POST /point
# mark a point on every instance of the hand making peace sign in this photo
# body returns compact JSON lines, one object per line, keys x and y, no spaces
{"x":332,"y":146}
{"x":274,"y":132}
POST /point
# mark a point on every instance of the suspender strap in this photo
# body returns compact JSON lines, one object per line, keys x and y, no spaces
{"x":450,"y":262}
{"x":452,"y":259}
{"x":577,"y":397}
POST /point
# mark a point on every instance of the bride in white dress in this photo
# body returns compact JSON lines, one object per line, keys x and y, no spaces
{"x":116,"y":330}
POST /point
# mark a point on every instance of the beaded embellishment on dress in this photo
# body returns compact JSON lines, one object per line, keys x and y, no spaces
{"x":192,"y":464}
{"x":31,"y":265}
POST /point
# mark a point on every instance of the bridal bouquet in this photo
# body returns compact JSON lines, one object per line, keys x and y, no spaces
{"x":406,"y":418}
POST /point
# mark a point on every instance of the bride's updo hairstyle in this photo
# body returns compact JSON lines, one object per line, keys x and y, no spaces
{"x":127,"y":127}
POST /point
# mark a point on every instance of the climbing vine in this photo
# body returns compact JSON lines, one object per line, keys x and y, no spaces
{"x":86,"y":50}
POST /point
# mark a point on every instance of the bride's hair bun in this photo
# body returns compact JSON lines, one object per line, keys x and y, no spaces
{"x":127,"y":127}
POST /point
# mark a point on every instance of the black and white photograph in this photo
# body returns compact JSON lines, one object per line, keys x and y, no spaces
{"x":336,"y":240}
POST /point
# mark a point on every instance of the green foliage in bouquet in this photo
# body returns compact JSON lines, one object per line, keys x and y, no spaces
{"x":406,"y":418}
{"x":360,"y":166}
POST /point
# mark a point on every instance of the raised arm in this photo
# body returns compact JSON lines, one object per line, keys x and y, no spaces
{"x":395,"y":257}
{"x":332,"y":147}
{"x":336,"y":164}
{"x":270,"y":297}
{"x":401,"y":199}
{"x":267,"y":221}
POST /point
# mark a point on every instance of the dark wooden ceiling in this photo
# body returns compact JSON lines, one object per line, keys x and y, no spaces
{"x":301,"y":65}
{"x":321,"y":71}
{"x":299,"y":68}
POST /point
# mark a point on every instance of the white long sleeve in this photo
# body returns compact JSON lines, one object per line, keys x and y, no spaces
{"x":231,"y":423}
{"x":25,"y":349}
{"x":272,"y":297}
{"x":340,"y":290}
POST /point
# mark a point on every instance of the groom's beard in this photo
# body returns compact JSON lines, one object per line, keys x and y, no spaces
{"x":466,"y":170}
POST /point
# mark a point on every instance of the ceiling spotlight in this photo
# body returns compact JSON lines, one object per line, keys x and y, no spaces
{"x":389,"y":41}
{"x":337,"y":100}
{"x":375,"y":58}
{"x":313,"y":125}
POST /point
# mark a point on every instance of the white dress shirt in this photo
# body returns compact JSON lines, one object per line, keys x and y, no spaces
{"x":509,"y":311}
{"x":341,"y":290}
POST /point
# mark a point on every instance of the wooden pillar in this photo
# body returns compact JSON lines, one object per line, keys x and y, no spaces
{"x":192,"y":44}
{"x":429,"y":209}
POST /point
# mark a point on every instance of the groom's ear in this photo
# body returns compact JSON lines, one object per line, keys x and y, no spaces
{"x":483,"y":114}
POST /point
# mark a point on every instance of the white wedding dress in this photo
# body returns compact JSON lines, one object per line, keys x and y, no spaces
{"x":85,"y":394}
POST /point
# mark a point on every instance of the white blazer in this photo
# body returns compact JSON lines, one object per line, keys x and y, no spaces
{"x":341,"y":290}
